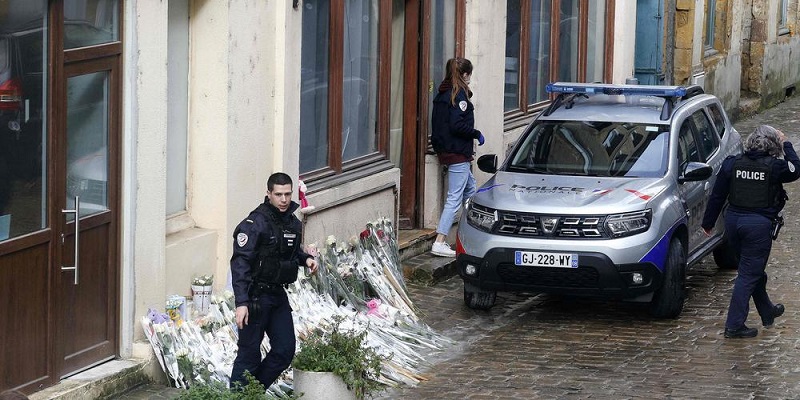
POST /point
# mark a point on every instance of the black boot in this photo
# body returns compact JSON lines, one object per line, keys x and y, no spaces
{"x":769,"y":320}
{"x":743,"y":332}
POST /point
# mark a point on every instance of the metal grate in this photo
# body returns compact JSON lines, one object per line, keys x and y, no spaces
{"x":584,"y":277}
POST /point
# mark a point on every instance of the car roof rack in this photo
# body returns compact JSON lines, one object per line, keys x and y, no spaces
{"x":567,"y":91}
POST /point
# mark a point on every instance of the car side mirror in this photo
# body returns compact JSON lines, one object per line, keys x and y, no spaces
{"x":487,"y":163}
{"x":696,"y":171}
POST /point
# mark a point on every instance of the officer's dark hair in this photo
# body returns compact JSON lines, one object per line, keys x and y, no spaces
{"x":278,"y":178}
{"x":765,"y":138}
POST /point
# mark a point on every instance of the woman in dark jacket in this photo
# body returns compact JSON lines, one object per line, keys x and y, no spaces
{"x":453,"y":126}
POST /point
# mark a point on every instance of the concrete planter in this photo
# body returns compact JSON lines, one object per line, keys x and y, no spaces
{"x":321,"y":386}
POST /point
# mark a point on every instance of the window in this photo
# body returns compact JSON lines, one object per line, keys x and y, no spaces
{"x":711,"y":16}
{"x":553,"y":40}
{"x":706,"y":137}
{"x":687,"y":148}
{"x":23,"y":114}
{"x":719,"y":119}
{"x":178,"y":107}
{"x":783,"y":12}
{"x":341,"y":80}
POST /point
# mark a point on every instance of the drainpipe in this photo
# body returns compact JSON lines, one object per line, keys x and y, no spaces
{"x":669,"y":46}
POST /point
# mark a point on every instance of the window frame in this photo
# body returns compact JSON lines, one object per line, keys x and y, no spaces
{"x":783,"y":17}
{"x":335,"y":166}
{"x":710,"y":27}
{"x":524,"y":109}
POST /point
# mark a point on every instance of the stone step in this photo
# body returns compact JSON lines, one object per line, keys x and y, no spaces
{"x":412,"y":242}
{"x":100,"y":382}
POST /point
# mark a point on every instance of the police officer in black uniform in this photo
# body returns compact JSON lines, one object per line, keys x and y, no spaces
{"x":752,"y":183}
{"x":266,"y":258}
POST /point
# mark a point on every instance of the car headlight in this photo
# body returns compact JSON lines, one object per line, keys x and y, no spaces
{"x":480,"y":217}
{"x":629,"y":223}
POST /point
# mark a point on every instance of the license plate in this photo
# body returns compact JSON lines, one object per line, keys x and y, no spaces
{"x":539,"y":259}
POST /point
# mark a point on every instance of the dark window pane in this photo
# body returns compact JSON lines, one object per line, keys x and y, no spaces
{"x":568,"y":41}
{"x":443,"y":44}
{"x":513,"y":25}
{"x":360,"y":88}
{"x":90,"y":22}
{"x":23,"y":51}
{"x":314,"y":86}
{"x":539,"y":51}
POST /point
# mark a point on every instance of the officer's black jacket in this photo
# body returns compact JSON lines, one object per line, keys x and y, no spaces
{"x":453,"y":129}
{"x":782,"y":172}
{"x":256,"y":229}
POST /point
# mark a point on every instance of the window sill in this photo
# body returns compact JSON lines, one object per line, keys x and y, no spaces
{"x":179,"y":222}
{"x":349,"y":176}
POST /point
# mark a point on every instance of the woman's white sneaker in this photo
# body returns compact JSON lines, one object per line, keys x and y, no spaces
{"x":442,"y":249}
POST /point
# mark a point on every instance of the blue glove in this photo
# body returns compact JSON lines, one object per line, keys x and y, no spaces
{"x":481,"y":139}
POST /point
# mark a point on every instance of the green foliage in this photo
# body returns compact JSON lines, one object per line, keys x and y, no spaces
{"x":254,"y":390}
{"x":343,"y":353}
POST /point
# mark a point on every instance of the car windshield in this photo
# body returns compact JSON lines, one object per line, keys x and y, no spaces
{"x":593,"y":149}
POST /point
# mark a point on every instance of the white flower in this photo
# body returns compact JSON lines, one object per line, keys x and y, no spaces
{"x":331,"y":240}
{"x":203,"y":280}
{"x":182,"y":352}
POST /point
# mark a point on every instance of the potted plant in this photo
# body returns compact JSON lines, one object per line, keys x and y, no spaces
{"x":336,"y":360}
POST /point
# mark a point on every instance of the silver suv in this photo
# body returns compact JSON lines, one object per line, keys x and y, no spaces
{"x":602,"y":195}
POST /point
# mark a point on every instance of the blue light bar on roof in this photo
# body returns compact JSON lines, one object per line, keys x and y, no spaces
{"x":597,"y":88}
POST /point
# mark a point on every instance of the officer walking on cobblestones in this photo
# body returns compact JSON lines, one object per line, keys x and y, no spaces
{"x":752,"y":184}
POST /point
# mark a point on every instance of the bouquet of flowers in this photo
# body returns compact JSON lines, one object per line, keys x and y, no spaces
{"x":203,"y":280}
{"x":359,"y":280}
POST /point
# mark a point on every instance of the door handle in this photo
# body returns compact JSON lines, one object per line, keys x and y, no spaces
{"x":77,"y":212}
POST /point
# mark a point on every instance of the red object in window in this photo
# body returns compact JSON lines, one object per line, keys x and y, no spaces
{"x":11,"y":95}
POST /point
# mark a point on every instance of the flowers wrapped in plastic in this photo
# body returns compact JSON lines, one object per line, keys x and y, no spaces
{"x":359,"y":280}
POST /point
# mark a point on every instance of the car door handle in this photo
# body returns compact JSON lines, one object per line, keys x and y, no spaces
{"x":77,"y":212}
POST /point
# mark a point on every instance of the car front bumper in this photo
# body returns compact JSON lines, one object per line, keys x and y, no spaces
{"x":596,"y":276}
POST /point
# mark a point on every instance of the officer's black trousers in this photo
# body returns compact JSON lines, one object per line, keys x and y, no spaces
{"x":274,"y":319}
{"x":751,"y":234}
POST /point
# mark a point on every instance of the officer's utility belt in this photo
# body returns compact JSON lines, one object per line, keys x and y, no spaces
{"x":268,"y":288}
{"x":777,"y":223}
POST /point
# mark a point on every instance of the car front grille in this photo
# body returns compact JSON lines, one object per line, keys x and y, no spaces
{"x":585,"y":277}
{"x":521,"y":224}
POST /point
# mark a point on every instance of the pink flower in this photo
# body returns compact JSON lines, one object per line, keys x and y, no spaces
{"x":373,"y":306}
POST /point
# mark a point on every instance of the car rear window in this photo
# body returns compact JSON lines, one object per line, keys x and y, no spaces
{"x":593,"y":149}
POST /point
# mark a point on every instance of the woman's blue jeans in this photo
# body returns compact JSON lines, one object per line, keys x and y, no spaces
{"x":460,"y":187}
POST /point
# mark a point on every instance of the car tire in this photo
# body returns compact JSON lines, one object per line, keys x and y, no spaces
{"x":668,"y":300}
{"x":725,"y":257}
{"x":478,"y":299}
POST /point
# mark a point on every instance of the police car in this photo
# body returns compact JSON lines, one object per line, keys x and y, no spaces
{"x":602,"y":195}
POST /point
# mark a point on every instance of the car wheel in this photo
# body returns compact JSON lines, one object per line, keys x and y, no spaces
{"x":725,"y":257}
{"x":668,"y":300}
{"x":478,"y":299}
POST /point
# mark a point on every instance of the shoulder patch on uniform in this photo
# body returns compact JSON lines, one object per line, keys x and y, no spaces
{"x":791,"y":167}
{"x":241,"y":239}
{"x":462,"y":105}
